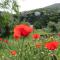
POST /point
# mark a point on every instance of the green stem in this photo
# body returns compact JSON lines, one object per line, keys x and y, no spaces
{"x":53,"y":57}
{"x":22,"y":48}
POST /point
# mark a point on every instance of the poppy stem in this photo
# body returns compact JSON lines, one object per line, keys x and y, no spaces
{"x":22,"y":48}
{"x":53,"y":57}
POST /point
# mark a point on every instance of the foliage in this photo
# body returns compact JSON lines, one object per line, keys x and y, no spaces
{"x":58,"y":26}
{"x":24,"y":22}
{"x":5,"y":18}
{"x":37,"y":25}
{"x":47,"y":14}
{"x":29,"y":49}
{"x":9,"y":7}
{"x":52,"y":26}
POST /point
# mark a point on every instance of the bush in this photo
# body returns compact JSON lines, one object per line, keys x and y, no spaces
{"x":24,"y":22}
{"x":5,"y":18}
{"x":52,"y":26}
{"x":37,"y":25}
{"x":58,"y":26}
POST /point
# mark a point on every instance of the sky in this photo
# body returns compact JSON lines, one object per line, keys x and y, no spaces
{"x":26,"y":5}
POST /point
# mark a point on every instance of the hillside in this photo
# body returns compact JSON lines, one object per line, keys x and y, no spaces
{"x":54,"y":7}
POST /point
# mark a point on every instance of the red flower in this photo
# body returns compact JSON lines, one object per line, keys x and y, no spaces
{"x":52,"y":45}
{"x":16,"y":36}
{"x":36,"y":36}
{"x":59,"y":34}
{"x":6,"y":41}
{"x":13,"y":52}
{"x":25,"y":30}
{"x":37,"y":45}
{"x":1,"y":39}
{"x":22,"y":30}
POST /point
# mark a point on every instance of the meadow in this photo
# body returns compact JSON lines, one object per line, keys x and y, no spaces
{"x":32,"y":47}
{"x":20,"y":41}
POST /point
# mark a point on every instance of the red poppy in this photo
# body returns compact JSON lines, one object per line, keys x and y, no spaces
{"x":1,"y":39}
{"x":52,"y":45}
{"x":22,"y":30}
{"x":16,"y":36}
{"x":37,"y":45}
{"x":6,"y":41}
{"x":36,"y":36}
{"x":13,"y":52}
{"x":59,"y":34}
{"x":16,"y":28}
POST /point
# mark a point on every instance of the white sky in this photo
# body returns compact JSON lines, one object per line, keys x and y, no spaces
{"x":33,"y":4}
{"x":25,"y":5}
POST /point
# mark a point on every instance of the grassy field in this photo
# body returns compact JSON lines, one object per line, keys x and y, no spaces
{"x":29,"y":48}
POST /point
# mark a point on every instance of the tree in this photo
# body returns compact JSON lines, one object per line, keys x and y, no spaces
{"x":8,"y":6}
{"x":11,"y":6}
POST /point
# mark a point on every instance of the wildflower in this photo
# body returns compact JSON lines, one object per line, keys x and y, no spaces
{"x":36,"y":36}
{"x":13,"y":52}
{"x":1,"y":39}
{"x":22,"y":30}
{"x":52,"y":45}
{"x":37,"y":45}
{"x":16,"y":36}
{"x":6,"y":41}
{"x":59,"y":34}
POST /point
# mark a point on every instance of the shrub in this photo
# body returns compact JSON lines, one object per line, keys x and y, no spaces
{"x":37,"y":25}
{"x":52,"y":26}
{"x":58,"y":26}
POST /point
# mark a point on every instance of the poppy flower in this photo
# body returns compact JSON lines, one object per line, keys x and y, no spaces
{"x":6,"y":41}
{"x":16,"y":36}
{"x":59,"y":34}
{"x":13,"y":52}
{"x":37,"y":45}
{"x":16,"y":28}
{"x":25,"y":30}
{"x":52,"y":45}
{"x":22,"y":30}
{"x":1,"y":39}
{"x":35,"y":36}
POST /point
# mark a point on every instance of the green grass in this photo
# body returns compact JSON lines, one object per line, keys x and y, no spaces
{"x":26,"y":49}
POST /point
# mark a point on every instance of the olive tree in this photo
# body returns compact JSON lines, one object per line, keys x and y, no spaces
{"x":7,"y":17}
